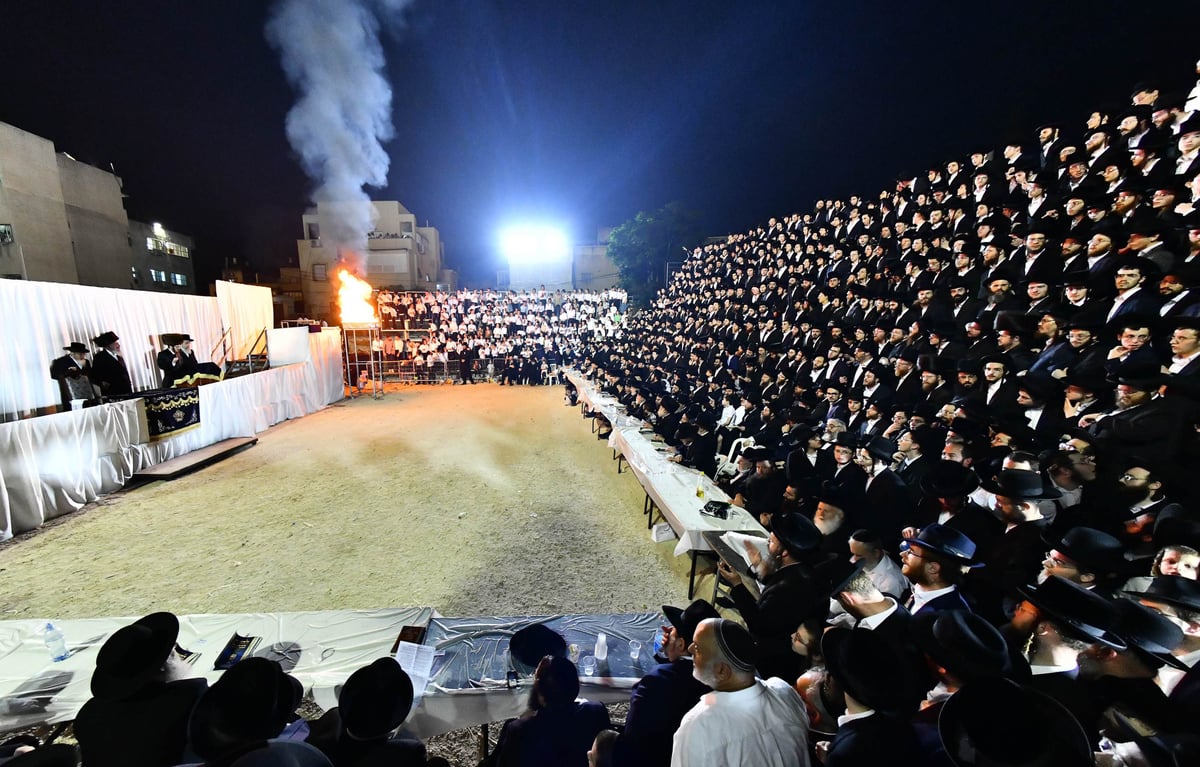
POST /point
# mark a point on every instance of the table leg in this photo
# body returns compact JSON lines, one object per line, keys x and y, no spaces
{"x":620,"y":460}
{"x":483,"y":741}
{"x":692,"y":577}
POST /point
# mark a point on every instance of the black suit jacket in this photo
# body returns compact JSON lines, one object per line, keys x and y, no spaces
{"x":111,"y":375}
{"x":659,"y":701}
{"x":65,"y":367}
{"x":789,"y":597}
{"x":161,"y":712}
{"x":861,"y":742}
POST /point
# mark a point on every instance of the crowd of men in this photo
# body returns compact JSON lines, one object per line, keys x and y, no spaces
{"x":982,"y":387}
{"x":510,"y":336}
{"x":965,"y":410}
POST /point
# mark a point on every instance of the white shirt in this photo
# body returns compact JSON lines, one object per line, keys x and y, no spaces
{"x":888,"y":577}
{"x":921,"y":597}
{"x":1179,"y":363}
{"x":765,"y":725}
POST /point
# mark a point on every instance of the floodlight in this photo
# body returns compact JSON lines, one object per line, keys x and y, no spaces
{"x":534,"y":244}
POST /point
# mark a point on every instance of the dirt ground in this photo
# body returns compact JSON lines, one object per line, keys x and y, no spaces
{"x":476,"y":500}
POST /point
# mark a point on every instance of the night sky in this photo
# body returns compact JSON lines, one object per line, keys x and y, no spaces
{"x":578,"y":113}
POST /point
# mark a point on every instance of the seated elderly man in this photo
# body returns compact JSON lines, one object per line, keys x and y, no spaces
{"x":743,"y":720}
{"x":141,"y":702}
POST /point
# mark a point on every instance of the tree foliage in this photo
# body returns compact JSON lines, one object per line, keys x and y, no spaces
{"x":642,"y":246}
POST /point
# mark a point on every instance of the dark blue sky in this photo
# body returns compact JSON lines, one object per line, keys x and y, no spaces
{"x":578,"y":112}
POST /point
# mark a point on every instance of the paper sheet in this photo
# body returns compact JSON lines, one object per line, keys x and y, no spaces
{"x":417,"y":662}
{"x":737,"y":542}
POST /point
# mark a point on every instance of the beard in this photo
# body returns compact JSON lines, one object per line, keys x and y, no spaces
{"x":704,"y":676}
{"x":826,"y":526}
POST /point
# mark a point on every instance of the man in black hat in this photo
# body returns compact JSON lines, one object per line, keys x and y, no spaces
{"x":1178,"y":599}
{"x":108,"y":367}
{"x":142,"y":698}
{"x":1037,"y":731}
{"x":887,"y":503}
{"x":666,"y":693}
{"x":1122,"y":681}
{"x":882,"y":687}
{"x":1143,"y":423}
{"x":1015,"y":558}
{"x":71,"y":371}
{"x":933,"y":563}
{"x":945,"y":499}
{"x":1072,"y":620}
{"x":373,"y":703}
{"x":763,"y":491}
{"x":961,"y":647}
{"x":789,"y":594}
{"x":177,"y":361}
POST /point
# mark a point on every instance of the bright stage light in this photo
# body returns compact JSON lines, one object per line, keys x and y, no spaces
{"x":534,"y":245}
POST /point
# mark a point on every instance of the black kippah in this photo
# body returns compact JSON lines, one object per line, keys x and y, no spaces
{"x":736,"y":645}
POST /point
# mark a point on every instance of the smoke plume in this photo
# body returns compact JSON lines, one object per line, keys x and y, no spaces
{"x":332,"y":56}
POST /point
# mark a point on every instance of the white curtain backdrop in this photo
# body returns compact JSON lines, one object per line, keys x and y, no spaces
{"x":246,"y":309}
{"x":55,"y":464}
{"x":40,"y":318}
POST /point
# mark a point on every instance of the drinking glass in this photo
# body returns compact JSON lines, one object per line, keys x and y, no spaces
{"x":587,"y":664}
{"x":635,"y":649}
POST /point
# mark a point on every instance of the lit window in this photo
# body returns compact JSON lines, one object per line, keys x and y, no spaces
{"x":178,"y":279}
{"x":158,"y":275}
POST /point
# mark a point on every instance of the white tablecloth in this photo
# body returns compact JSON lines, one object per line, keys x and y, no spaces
{"x":672,"y":487}
{"x":332,"y":646}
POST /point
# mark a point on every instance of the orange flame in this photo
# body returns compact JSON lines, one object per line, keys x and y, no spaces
{"x":354,"y":298}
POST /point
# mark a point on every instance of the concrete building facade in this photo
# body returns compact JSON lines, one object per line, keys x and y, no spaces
{"x":62,"y":220}
{"x":162,"y":259}
{"x":400,"y":255}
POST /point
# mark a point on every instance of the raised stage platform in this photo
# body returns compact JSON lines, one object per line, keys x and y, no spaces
{"x":56,"y":464}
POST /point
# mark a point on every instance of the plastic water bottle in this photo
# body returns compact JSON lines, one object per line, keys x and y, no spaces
{"x":56,"y":643}
{"x":601,"y":647}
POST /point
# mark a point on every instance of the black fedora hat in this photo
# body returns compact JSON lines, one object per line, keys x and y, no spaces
{"x":134,"y":655}
{"x":1082,"y":613}
{"x":878,"y":447}
{"x":975,"y":735}
{"x":375,"y":700}
{"x":686,"y":620}
{"x":949,"y":479}
{"x":529,"y":645}
{"x":947,"y":542}
{"x":796,"y":532}
{"x":872,"y":670}
{"x":1021,"y":484}
{"x":107,"y":338}
{"x":1094,"y":551}
{"x":961,"y":642}
{"x":1148,"y":631}
{"x":251,"y":702}
{"x":1173,"y":590}
{"x":77,"y":348}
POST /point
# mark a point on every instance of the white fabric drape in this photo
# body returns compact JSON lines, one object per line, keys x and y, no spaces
{"x":40,"y":318}
{"x":55,"y":464}
{"x":247,"y":310}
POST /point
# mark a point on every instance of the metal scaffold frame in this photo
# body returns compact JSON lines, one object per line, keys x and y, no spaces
{"x":363,"y":355}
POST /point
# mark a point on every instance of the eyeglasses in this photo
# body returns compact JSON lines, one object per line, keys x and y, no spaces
{"x":1057,"y":562}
